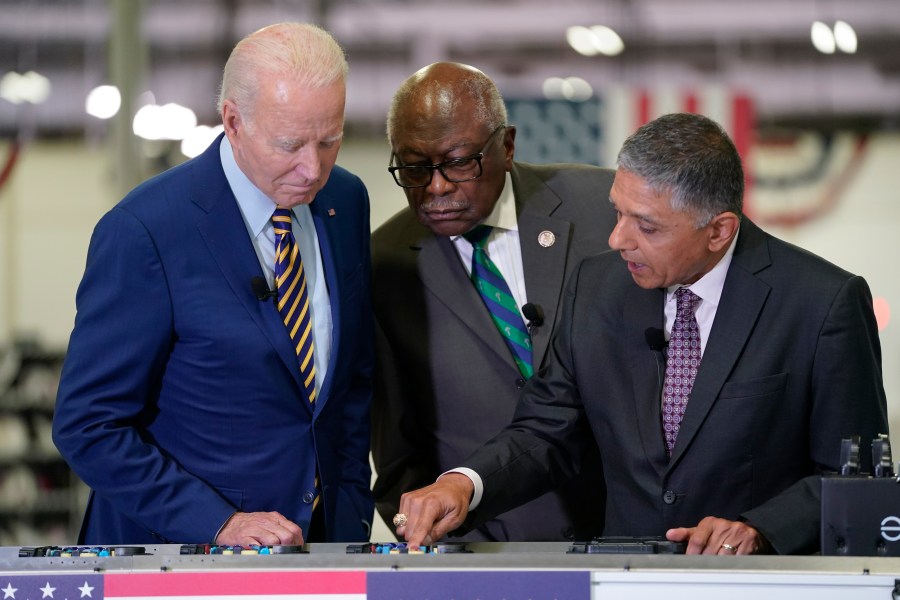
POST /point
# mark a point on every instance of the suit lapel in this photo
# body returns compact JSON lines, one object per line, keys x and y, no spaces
{"x":648,"y":367}
{"x":544,"y":265}
{"x":225,"y":235}
{"x":319,"y":207}
{"x":743,"y":298}
{"x":443,"y":274}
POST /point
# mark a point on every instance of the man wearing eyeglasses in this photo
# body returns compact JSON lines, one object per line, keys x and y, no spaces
{"x":464,"y":312}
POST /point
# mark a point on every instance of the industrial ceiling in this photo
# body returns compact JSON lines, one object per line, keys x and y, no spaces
{"x":761,"y":47}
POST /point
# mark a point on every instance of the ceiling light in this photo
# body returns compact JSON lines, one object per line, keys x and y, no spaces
{"x":607,"y":41}
{"x":822,"y":37}
{"x":199,"y":138}
{"x":582,"y":40}
{"x":31,"y":87}
{"x":169,"y":122}
{"x":598,"y":39}
{"x":577,"y":89}
{"x":552,"y":88}
{"x":845,"y":37}
{"x":103,"y":102}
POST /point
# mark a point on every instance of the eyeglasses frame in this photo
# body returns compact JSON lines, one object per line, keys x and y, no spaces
{"x":392,"y":169}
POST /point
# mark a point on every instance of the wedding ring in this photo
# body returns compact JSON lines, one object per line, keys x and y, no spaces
{"x":400,"y":520}
{"x":727,"y":547}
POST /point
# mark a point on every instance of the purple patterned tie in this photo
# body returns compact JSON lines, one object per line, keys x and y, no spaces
{"x":682,"y":361}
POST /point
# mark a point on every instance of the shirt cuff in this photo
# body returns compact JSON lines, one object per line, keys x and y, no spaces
{"x":216,"y":537}
{"x":476,"y":482}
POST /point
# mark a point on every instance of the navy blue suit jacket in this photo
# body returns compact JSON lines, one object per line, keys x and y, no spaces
{"x":181,"y":401}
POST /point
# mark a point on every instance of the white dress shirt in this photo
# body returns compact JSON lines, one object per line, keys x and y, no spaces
{"x":709,"y":289}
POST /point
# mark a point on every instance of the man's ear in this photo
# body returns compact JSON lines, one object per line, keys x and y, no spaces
{"x":231,"y":120}
{"x":722,"y":230}
{"x":509,"y":146}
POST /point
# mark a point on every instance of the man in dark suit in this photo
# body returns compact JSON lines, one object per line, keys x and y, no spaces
{"x":789,"y":364}
{"x":446,"y":379}
{"x":185,"y":403}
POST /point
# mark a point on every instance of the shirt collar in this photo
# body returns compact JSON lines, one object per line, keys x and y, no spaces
{"x":504,"y":214}
{"x":709,"y":287}
{"x":255,"y":206}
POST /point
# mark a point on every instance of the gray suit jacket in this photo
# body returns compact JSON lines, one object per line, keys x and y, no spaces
{"x":792,"y":365}
{"x":446,"y":383}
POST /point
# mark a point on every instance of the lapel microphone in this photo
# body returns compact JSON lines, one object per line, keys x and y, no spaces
{"x":656,"y":338}
{"x":261,"y":289}
{"x":535,"y":315}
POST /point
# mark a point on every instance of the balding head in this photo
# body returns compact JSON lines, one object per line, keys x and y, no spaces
{"x":432,"y":99}
{"x":299,"y":52}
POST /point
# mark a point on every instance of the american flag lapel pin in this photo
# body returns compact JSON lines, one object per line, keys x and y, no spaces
{"x":330,"y":212}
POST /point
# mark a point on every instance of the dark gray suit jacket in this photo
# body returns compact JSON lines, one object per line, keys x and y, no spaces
{"x":792,"y":365}
{"x":446,"y":383}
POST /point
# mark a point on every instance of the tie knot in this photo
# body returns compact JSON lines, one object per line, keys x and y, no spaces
{"x":281,"y":219}
{"x":477,"y":236}
{"x":685,"y":299}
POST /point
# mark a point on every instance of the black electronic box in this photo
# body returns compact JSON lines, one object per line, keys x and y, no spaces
{"x":861,"y":513}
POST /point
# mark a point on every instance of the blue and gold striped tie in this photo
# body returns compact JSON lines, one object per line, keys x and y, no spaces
{"x":293,"y":305}
{"x":293,"y":298}
{"x":499,"y":301}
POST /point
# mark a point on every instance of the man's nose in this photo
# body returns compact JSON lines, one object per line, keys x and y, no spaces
{"x":618,"y":239}
{"x":439,"y":185}
{"x":309,"y":163}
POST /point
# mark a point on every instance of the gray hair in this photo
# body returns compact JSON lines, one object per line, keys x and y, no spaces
{"x":305,"y":53}
{"x":463,"y":81}
{"x":692,"y":158}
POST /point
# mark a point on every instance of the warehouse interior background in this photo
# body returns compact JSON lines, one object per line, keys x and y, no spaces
{"x":809,"y":88}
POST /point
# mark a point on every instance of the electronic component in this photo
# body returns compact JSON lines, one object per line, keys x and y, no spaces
{"x":850,"y":455}
{"x":225,"y":550}
{"x":81,"y":551}
{"x":882,"y":461}
{"x":628,"y":545}
{"x":403,"y":548}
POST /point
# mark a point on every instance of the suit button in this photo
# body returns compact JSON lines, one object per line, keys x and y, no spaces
{"x":669,"y":497}
{"x":520,"y":383}
{"x":308,"y":497}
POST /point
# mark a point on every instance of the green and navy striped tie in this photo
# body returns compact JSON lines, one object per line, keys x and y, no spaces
{"x":499,"y":301}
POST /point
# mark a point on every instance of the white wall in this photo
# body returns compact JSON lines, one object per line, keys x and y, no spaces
{"x":59,"y":190}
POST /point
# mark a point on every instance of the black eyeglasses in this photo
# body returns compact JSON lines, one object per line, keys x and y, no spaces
{"x":455,"y":170}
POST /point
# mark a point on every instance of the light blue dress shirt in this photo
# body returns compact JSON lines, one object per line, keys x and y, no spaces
{"x":257,"y":208}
